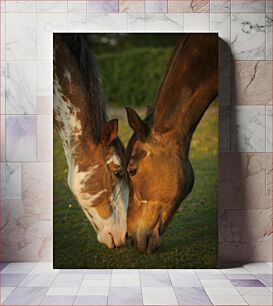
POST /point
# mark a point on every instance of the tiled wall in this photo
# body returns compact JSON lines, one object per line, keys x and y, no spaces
{"x":245,"y":196}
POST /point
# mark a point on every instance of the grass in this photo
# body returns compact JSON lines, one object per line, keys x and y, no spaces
{"x":191,"y":238}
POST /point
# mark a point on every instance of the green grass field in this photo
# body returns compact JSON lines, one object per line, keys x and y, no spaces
{"x":191,"y":238}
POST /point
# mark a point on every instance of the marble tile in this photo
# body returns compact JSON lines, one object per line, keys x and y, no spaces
{"x":20,"y":88}
{"x":236,"y":271}
{"x":227,"y":300}
{"x":220,"y":23}
{"x":11,"y":280}
{"x":62,"y":291}
{"x":188,"y":6}
{"x":3,"y":36}
{"x":3,"y":87}
{"x":268,"y":24}
{"x":258,"y":299}
{"x":44,"y":78}
{"x":129,"y":6}
{"x":5,"y":292}
{"x":240,"y":276}
{"x":100,"y":22}
{"x":250,"y":6}
{"x":58,"y":300}
{"x":247,"y":291}
{"x":77,"y":6}
{"x":20,"y":138}
{"x":26,"y":296}
{"x":21,"y":6}
{"x":220,"y":6}
{"x":97,"y":276}
{"x":184,"y":280}
{"x":20,"y":36}
{"x":125,"y":280}
{"x":243,"y":182}
{"x":96,"y":283}
{"x":90,"y":300}
{"x":224,"y":129}
{"x":18,"y":267}
{"x":47,"y":23}
{"x":246,"y":283}
{"x":12,"y":181}
{"x":38,"y":280}
{"x":153,"y":6}
{"x":259,"y":267}
{"x":226,"y":291}
{"x":192,"y":296}
{"x":83,"y":271}
{"x":44,"y":268}
{"x":136,"y":22}
{"x":216,"y":283}
{"x":3,"y":6}
{"x":125,"y":296}
{"x":248,"y":129}
{"x":44,"y":138}
{"x":77,"y":22}
{"x":237,"y":226}
{"x":160,"y":22}
{"x":196,"y":22}
{"x":266,"y":279}
{"x":155,"y":280}
{"x":102,"y":6}
{"x":66,"y":280}
{"x":3,"y":138}
{"x":93,"y":291}
{"x":51,"y":6}
{"x":268,"y":128}
{"x":3,"y":265}
{"x":251,"y":82}
{"x":248,"y":36}
{"x":44,"y":105}
{"x":268,"y":6}
{"x":159,"y":295}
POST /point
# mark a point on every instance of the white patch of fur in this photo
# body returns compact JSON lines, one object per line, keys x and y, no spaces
{"x":114,"y":159}
{"x":67,"y":75}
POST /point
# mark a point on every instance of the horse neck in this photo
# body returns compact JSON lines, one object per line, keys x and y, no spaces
{"x":188,"y":88}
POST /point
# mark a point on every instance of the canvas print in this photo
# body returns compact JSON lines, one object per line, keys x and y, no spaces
{"x":135,"y":150}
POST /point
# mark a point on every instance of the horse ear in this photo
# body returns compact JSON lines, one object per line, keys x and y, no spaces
{"x":109,"y":132}
{"x":136,"y":123}
{"x":149,"y":111}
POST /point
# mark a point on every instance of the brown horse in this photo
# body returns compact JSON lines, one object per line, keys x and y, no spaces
{"x":92,"y":149}
{"x":160,"y":174}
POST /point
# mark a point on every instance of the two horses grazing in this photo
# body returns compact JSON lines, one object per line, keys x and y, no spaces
{"x":160,"y":174}
{"x":156,"y":164}
{"x":92,"y":148}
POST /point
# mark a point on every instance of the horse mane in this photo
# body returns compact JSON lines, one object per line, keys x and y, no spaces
{"x":94,"y":106}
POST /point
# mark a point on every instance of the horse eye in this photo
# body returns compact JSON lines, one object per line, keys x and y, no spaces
{"x":132,"y":172}
{"x":118,"y":174}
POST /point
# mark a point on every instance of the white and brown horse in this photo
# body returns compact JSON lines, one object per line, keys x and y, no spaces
{"x":160,"y":174}
{"x":93,"y":151}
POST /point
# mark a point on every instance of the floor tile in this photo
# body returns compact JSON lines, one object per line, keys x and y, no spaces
{"x":192,"y":296}
{"x":259,"y":299}
{"x":238,"y":270}
{"x":62,"y":291}
{"x":159,"y":296}
{"x":184,"y":280}
{"x":216,"y":283}
{"x":44,"y":267}
{"x":227,"y":300}
{"x":125,"y":280}
{"x":246,"y":283}
{"x":20,"y":267}
{"x":91,"y":300}
{"x":125,"y":296}
{"x":240,"y":276}
{"x":221,"y":291}
{"x":254,"y":291}
{"x":86,"y":291}
{"x":258,"y":268}
{"x":26,"y":296}
{"x":266,"y":279}
{"x":11,"y":280}
{"x":98,"y":271}
{"x":155,"y":280}
{"x":3,"y":265}
{"x":58,"y":300}
{"x":38,"y":280}
{"x":96,"y":283}
{"x":74,"y":271}
{"x":67,"y":280}
{"x":125,"y":271}
{"x":97,"y":276}
{"x":5,"y":292}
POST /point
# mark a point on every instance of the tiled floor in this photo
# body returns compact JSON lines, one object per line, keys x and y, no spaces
{"x":39,"y":284}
